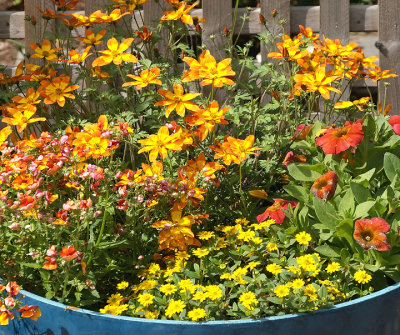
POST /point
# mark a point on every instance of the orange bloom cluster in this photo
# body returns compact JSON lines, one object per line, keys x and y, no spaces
{"x":97,"y":17}
{"x":181,"y":13}
{"x":116,"y":53}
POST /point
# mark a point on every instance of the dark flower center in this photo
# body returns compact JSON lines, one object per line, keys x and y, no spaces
{"x":367,"y":235}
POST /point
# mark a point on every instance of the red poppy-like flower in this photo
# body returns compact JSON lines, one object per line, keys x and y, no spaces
{"x":395,"y":123}
{"x":335,"y":140}
{"x":275,"y":211}
{"x":371,"y":234}
{"x":324,"y":187}
{"x":69,"y":253}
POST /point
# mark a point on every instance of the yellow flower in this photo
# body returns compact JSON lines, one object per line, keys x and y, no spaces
{"x":152,"y":315}
{"x":246,"y":235}
{"x":181,"y":13}
{"x":182,"y":255}
{"x":248,"y":300}
{"x":307,"y":262}
{"x":272,"y":246}
{"x":205,"y":235}
{"x":200,"y":296}
{"x":145,"y":299}
{"x":242,"y":221}
{"x":333,"y":267}
{"x":227,"y":276}
{"x":281,"y":291}
{"x":362,"y":277}
{"x":274,"y":268}
{"x":186,"y":284}
{"x":174,"y":306}
{"x":154,"y":269}
{"x":310,"y":290}
{"x":297,"y":283}
{"x":168,"y":289}
{"x":326,"y":282}
{"x":303,"y":238}
{"x":201,"y":252}
{"x":115,"y":54}
{"x":21,"y":118}
{"x":196,"y":314}
{"x":148,"y":284}
{"x":122,"y":285}
{"x":257,"y":240}
{"x":253,"y":265}
{"x":213,"y":292}
{"x":115,"y":299}
{"x":146,"y":78}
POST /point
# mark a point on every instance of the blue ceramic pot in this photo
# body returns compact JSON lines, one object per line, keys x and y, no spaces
{"x":375,"y":314}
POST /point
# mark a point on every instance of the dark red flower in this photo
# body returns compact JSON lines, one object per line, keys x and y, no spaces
{"x":336,"y":140}
{"x":395,"y":123}
{"x":371,"y":234}
{"x":275,"y":211}
{"x":324,"y":187}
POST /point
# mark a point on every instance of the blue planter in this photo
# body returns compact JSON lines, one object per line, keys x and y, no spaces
{"x":378,"y":313}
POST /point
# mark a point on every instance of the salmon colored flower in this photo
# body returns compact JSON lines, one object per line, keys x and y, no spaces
{"x":92,"y":38}
{"x":370,"y":234}
{"x":336,"y":140}
{"x":146,"y":78}
{"x":177,"y":100}
{"x":45,"y":51}
{"x":69,"y":253}
{"x":21,"y":118}
{"x":324,"y":187}
{"x":31,"y":312}
{"x":57,"y":90}
{"x":115,"y":54}
{"x":145,"y":36}
{"x":275,"y":211}
{"x":395,"y":123}
{"x":180,"y":14}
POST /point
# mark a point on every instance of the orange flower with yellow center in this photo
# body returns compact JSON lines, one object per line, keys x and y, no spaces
{"x":21,"y":118}
{"x":57,"y":90}
{"x":376,"y":73}
{"x":45,"y":51}
{"x":370,"y":234}
{"x":334,"y":48}
{"x":64,"y":5}
{"x":177,"y":100}
{"x":4,"y":133}
{"x":158,"y":144}
{"x":360,"y":104}
{"x":129,"y":5}
{"x":92,"y":38}
{"x":180,"y":14}
{"x":115,"y":54}
{"x":31,"y":98}
{"x":146,"y":78}
{"x":77,"y":58}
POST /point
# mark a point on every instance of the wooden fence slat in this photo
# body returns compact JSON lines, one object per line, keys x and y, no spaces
{"x":35,"y":33}
{"x":335,"y":19}
{"x":152,"y":13}
{"x":389,"y":56}
{"x":92,"y":5}
{"x":218,"y":15}
{"x":283,"y":12}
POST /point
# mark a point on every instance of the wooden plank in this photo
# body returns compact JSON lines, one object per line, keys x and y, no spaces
{"x":12,"y":25}
{"x":283,"y":13}
{"x":364,"y":18}
{"x":307,"y":16}
{"x":389,"y":56}
{"x":35,"y":33}
{"x":92,"y":5}
{"x":152,"y":13}
{"x":335,"y":19}
{"x":219,"y":16}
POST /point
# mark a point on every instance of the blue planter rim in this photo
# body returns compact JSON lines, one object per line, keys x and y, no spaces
{"x":340,"y":306}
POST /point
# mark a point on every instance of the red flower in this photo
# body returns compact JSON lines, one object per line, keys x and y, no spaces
{"x":302,"y":132}
{"x":324,"y":187}
{"x":32,"y":312}
{"x":69,"y":253}
{"x":291,"y":158}
{"x":12,"y":288}
{"x":371,"y":234}
{"x":395,"y":123}
{"x":335,"y":140}
{"x":275,"y":211}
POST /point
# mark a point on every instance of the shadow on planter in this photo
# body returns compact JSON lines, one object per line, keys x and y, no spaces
{"x":375,"y":314}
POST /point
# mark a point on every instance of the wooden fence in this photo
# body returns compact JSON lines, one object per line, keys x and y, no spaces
{"x":333,"y":19}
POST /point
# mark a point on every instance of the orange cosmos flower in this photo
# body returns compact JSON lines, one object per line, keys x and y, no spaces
{"x":31,"y":312}
{"x":334,"y":141}
{"x":57,"y":90}
{"x":69,"y":253}
{"x":275,"y":211}
{"x":291,"y":158}
{"x":64,"y":5}
{"x":207,"y":68}
{"x":316,"y":81}
{"x":97,"y":73}
{"x":4,"y":133}
{"x":92,"y":38}
{"x":115,"y":53}
{"x":48,"y":13}
{"x":45,"y":51}
{"x":376,"y":73}
{"x":145,"y":36}
{"x":129,"y":5}
{"x":76,"y":58}
{"x":180,"y":14}
{"x":199,"y":167}
{"x":158,"y":144}
{"x":370,"y":234}
{"x":289,"y":49}
{"x":207,"y":119}
{"x":324,"y":187}
{"x":334,"y":48}
{"x":302,"y":132}
{"x":146,"y":78}
{"x":31,"y":98}
{"x":177,"y":100}
{"x":308,"y":33}
{"x":21,"y":118}
{"x":360,"y":104}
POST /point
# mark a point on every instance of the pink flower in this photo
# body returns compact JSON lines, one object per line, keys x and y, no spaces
{"x":395,"y":123}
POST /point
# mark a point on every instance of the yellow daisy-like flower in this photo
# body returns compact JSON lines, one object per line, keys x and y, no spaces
{"x":326,"y":282}
{"x":186,"y":284}
{"x":174,"y":307}
{"x":275,"y":269}
{"x":242,"y":221}
{"x":303,"y":238}
{"x":248,"y":300}
{"x":307,"y":262}
{"x":213,"y":292}
{"x":205,"y":235}
{"x":297,"y":283}
{"x":147,"y":284}
{"x":227,"y":276}
{"x":168,"y":289}
{"x":333,"y":267}
{"x":201,"y":252}
{"x":115,"y":299}
{"x":200,"y":296}
{"x":362,"y":277}
{"x":293,"y":269}
{"x":152,"y":315}
{"x":252,"y":265}
{"x":145,"y":299}
{"x":122,"y":285}
{"x":246,"y":235}
{"x":281,"y":291}
{"x":272,"y":246}
{"x":154,"y":269}
{"x":310,"y":290}
{"x":257,"y":240}
{"x":197,"y":314}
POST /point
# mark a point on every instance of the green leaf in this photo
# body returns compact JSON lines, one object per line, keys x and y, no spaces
{"x":31,"y":265}
{"x":363,"y":209}
{"x":361,"y":194}
{"x":298,"y":192}
{"x":303,"y":172}
{"x":326,"y":213}
{"x":391,"y":164}
{"x":347,"y":204}
{"x":328,"y":251}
